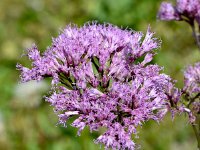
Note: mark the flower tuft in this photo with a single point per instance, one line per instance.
(192, 79)
(187, 10)
(168, 12)
(102, 75)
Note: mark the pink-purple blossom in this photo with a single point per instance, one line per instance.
(188, 10)
(168, 12)
(191, 90)
(102, 75)
(192, 79)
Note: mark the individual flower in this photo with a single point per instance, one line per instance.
(192, 79)
(168, 12)
(192, 90)
(102, 75)
(188, 10)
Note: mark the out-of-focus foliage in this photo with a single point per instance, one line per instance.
(27, 122)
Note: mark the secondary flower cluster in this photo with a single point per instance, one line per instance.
(192, 79)
(192, 88)
(188, 10)
(100, 73)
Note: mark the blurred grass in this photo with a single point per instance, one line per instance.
(27, 122)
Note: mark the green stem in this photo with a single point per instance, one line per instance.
(196, 134)
(196, 125)
(196, 37)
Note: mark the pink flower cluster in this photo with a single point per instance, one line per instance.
(188, 10)
(102, 75)
(192, 89)
(192, 79)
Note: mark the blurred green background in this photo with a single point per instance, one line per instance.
(27, 122)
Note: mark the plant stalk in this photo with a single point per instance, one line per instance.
(196, 131)
(195, 35)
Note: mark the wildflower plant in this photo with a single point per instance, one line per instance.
(189, 12)
(102, 75)
(184, 10)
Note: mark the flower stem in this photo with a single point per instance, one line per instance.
(196, 124)
(195, 35)
(197, 134)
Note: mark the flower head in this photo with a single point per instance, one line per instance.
(192, 79)
(192, 90)
(188, 10)
(168, 12)
(100, 73)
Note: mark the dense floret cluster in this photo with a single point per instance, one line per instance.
(102, 75)
(192, 89)
(192, 79)
(188, 10)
